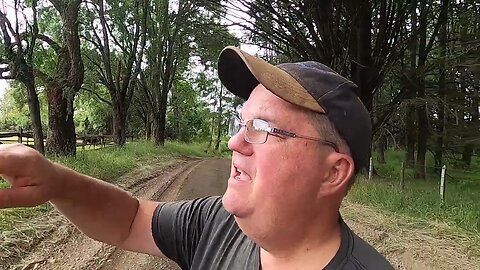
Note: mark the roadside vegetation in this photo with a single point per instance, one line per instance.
(419, 202)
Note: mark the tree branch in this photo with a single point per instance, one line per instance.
(97, 95)
(100, 69)
(58, 4)
(96, 44)
(57, 48)
(115, 40)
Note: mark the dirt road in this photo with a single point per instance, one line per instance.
(406, 246)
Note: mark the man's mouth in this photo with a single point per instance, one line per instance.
(240, 175)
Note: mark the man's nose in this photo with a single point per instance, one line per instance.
(237, 143)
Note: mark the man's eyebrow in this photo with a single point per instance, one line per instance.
(261, 114)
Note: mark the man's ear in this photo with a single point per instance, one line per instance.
(340, 170)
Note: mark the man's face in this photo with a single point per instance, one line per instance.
(278, 180)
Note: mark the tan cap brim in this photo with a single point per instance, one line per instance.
(236, 68)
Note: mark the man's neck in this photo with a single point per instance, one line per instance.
(312, 251)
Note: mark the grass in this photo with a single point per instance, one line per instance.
(420, 198)
(106, 164)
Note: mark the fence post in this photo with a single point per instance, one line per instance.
(370, 169)
(402, 176)
(442, 185)
(20, 135)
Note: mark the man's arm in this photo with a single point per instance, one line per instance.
(100, 210)
(140, 237)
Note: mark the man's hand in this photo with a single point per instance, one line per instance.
(33, 178)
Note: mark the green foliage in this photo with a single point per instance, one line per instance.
(91, 115)
(210, 39)
(14, 113)
(421, 198)
(193, 116)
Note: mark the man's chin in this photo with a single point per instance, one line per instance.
(235, 206)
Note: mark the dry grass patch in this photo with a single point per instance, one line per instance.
(414, 243)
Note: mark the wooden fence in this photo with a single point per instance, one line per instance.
(26, 137)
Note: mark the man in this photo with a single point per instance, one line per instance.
(302, 136)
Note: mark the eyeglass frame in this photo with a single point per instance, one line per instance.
(278, 133)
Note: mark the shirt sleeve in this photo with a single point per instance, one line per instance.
(178, 226)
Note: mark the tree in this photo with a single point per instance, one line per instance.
(125, 26)
(17, 59)
(176, 34)
(64, 81)
(359, 39)
(442, 86)
(425, 46)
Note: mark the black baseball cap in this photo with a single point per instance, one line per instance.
(310, 85)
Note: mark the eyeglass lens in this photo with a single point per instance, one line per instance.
(255, 129)
(234, 126)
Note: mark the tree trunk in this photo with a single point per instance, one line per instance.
(441, 94)
(65, 83)
(410, 125)
(381, 149)
(176, 115)
(472, 124)
(61, 139)
(421, 109)
(160, 119)
(362, 59)
(34, 108)
(467, 154)
(212, 131)
(422, 138)
(219, 125)
(364, 52)
(148, 126)
(122, 84)
(119, 116)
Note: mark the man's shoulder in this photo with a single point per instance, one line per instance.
(364, 256)
(368, 256)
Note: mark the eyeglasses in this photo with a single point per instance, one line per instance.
(257, 131)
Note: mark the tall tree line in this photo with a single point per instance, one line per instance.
(413, 60)
(134, 50)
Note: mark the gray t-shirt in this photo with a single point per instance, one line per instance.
(201, 234)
